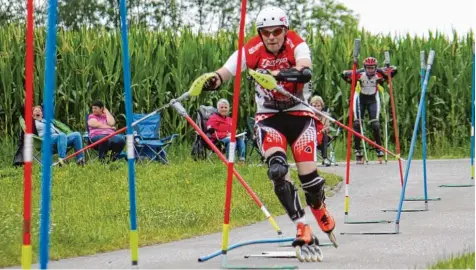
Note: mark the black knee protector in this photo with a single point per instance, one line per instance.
(375, 124)
(313, 186)
(277, 166)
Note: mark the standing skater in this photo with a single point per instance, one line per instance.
(366, 97)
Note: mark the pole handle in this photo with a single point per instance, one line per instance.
(356, 47)
(431, 57)
(422, 59)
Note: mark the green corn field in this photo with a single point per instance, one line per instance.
(164, 64)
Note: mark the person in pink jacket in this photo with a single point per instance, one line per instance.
(220, 126)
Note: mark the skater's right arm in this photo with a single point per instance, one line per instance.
(347, 75)
(227, 71)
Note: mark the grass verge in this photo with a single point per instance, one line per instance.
(464, 261)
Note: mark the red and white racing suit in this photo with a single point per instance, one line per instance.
(279, 119)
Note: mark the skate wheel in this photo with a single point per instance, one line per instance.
(303, 255)
(317, 255)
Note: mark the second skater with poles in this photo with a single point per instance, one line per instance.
(370, 80)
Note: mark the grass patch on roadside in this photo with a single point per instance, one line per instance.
(463, 261)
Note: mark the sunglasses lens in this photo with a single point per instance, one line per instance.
(275, 32)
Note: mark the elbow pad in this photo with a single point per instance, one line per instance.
(293, 75)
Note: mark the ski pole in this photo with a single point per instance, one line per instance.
(359, 116)
(269, 82)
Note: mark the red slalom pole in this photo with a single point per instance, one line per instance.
(222, 157)
(394, 115)
(96, 143)
(349, 136)
(26, 254)
(232, 144)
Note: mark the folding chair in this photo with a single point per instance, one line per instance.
(147, 141)
(251, 139)
(333, 135)
(37, 140)
(200, 149)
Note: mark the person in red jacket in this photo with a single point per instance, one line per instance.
(220, 126)
(281, 121)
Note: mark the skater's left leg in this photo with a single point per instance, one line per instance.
(303, 149)
(374, 112)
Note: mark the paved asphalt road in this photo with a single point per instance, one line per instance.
(425, 237)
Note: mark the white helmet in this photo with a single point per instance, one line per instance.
(272, 16)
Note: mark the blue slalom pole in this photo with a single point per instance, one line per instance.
(472, 121)
(431, 56)
(46, 147)
(133, 236)
(423, 127)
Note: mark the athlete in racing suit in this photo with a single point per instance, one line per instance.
(366, 97)
(281, 121)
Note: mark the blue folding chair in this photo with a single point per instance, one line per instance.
(147, 141)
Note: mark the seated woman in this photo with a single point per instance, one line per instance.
(322, 128)
(59, 138)
(100, 124)
(220, 123)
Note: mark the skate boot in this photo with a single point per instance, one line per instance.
(326, 222)
(326, 162)
(359, 157)
(380, 155)
(306, 244)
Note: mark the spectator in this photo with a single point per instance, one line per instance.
(59, 138)
(220, 125)
(100, 124)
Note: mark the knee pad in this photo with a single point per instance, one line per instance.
(356, 125)
(375, 124)
(313, 186)
(277, 167)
